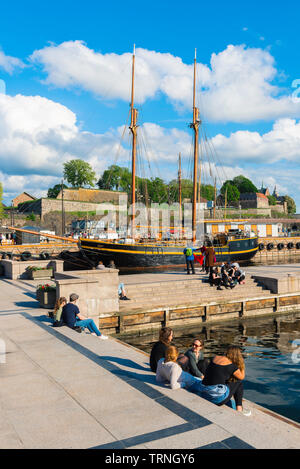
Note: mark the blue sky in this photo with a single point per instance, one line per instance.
(66, 66)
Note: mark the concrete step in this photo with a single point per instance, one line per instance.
(163, 285)
(200, 291)
(180, 300)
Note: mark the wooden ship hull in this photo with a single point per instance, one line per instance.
(160, 254)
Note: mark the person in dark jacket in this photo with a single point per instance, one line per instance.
(209, 257)
(215, 278)
(159, 348)
(197, 363)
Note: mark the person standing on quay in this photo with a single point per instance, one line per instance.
(189, 258)
(209, 257)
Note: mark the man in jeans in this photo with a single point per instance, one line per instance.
(72, 318)
(189, 258)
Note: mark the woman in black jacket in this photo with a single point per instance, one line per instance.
(159, 348)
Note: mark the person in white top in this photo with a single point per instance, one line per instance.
(168, 371)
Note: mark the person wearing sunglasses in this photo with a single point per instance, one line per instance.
(197, 362)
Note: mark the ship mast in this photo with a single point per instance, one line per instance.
(195, 127)
(133, 129)
(180, 194)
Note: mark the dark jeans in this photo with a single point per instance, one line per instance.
(188, 265)
(226, 281)
(236, 390)
(215, 281)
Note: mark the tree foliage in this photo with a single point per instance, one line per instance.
(233, 194)
(291, 205)
(55, 190)
(244, 185)
(115, 178)
(152, 189)
(272, 200)
(79, 173)
(1, 205)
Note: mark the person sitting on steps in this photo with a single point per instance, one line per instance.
(57, 313)
(226, 278)
(226, 372)
(197, 363)
(122, 292)
(159, 348)
(72, 318)
(168, 371)
(239, 276)
(215, 278)
(100, 266)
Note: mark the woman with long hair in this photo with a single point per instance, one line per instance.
(59, 304)
(228, 372)
(168, 371)
(159, 348)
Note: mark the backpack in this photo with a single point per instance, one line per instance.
(188, 252)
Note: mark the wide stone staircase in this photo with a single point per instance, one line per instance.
(195, 289)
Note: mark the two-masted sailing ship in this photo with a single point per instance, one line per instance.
(154, 253)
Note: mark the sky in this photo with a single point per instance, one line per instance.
(65, 72)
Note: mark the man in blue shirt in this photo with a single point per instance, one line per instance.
(189, 258)
(72, 318)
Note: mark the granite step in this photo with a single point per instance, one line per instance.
(196, 291)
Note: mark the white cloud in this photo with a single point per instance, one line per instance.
(281, 143)
(237, 86)
(8, 63)
(38, 135)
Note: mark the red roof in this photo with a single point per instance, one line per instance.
(262, 196)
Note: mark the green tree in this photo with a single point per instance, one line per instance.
(207, 191)
(55, 190)
(115, 178)
(1, 205)
(291, 206)
(272, 200)
(244, 185)
(233, 194)
(79, 173)
(31, 217)
(186, 189)
(158, 190)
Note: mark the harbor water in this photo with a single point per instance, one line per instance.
(271, 349)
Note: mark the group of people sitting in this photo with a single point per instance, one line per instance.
(68, 314)
(219, 380)
(228, 276)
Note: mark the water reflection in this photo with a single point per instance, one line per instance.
(272, 376)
